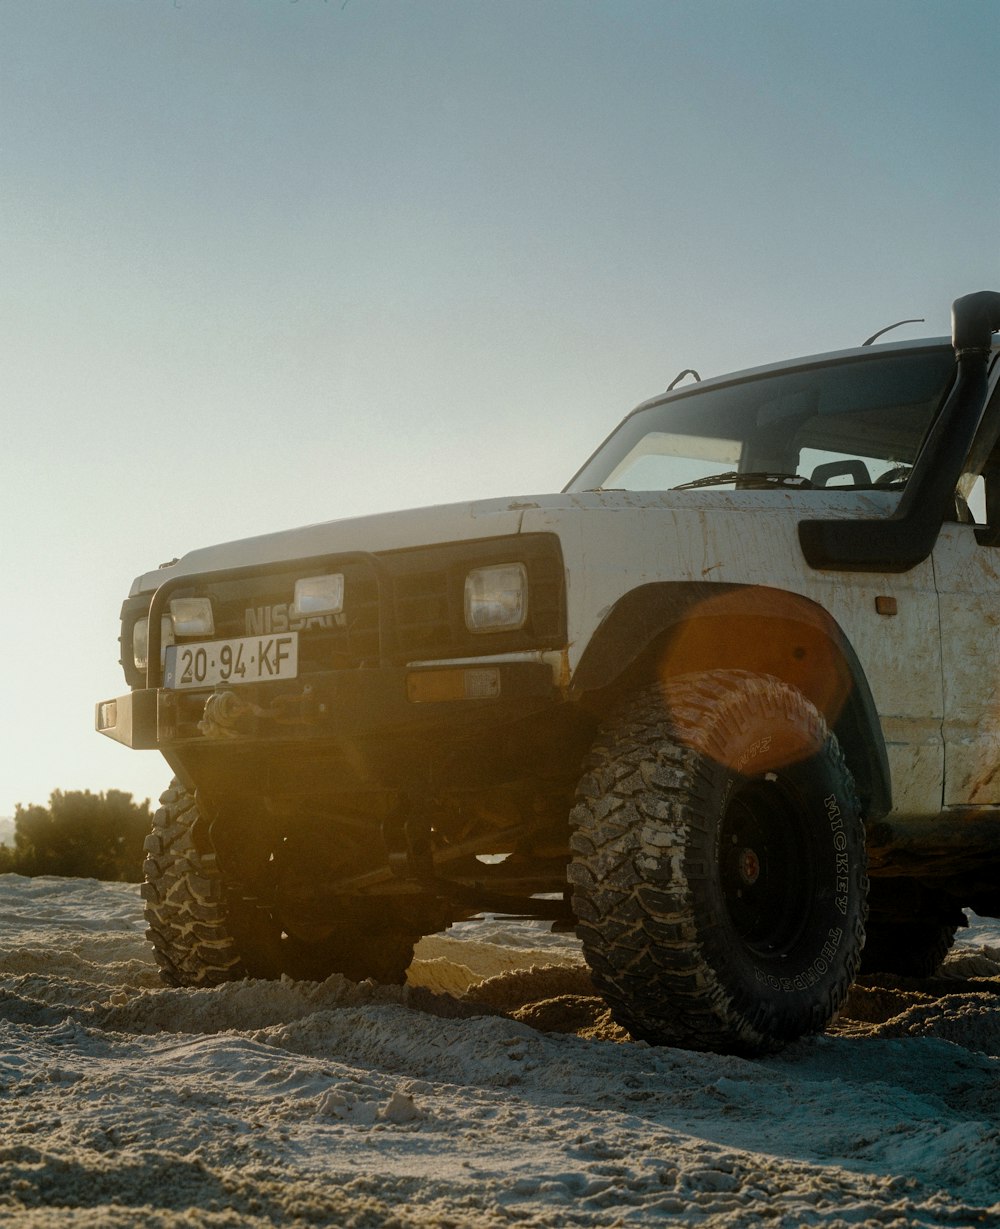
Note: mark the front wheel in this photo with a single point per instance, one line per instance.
(203, 934)
(718, 865)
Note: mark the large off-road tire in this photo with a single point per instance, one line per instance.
(719, 866)
(204, 934)
(186, 915)
(910, 929)
(910, 949)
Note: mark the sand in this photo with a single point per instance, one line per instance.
(493, 1090)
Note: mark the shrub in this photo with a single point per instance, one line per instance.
(80, 835)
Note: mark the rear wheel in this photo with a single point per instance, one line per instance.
(718, 865)
(204, 933)
(910, 929)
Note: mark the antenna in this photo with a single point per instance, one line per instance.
(688, 371)
(889, 327)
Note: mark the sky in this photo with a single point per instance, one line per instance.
(273, 263)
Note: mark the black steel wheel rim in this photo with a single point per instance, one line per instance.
(766, 876)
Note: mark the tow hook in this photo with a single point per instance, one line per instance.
(225, 712)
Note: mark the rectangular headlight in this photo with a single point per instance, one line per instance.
(140, 641)
(319, 595)
(496, 598)
(192, 616)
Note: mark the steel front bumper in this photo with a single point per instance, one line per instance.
(336, 705)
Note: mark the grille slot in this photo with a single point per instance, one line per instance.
(423, 607)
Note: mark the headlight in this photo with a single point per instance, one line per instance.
(140, 641)
(496, 598)
(192, 616)
(319, 595)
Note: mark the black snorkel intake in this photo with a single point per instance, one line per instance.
(901, 541)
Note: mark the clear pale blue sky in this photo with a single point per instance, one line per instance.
(273, 263)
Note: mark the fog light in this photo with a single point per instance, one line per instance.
(496, 598)
(140, 641)
(319, 595)
(192, 616)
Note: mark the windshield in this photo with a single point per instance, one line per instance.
(853, 423)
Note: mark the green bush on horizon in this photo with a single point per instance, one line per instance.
(80, 835)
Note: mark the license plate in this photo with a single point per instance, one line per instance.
(247, 659)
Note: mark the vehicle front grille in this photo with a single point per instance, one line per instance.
(399, 606)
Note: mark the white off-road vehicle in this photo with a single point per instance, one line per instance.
(727, 701)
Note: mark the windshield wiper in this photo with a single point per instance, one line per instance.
(759, 480)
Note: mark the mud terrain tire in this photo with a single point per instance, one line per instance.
(909, 949)
(910, 929)
(186, 915)
(202, 935)
(718, 865)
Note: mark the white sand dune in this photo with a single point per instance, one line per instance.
(494, 1090)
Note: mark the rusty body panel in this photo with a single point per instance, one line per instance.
(748, 539)
(968, 578)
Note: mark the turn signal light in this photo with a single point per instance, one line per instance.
(435, 686)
